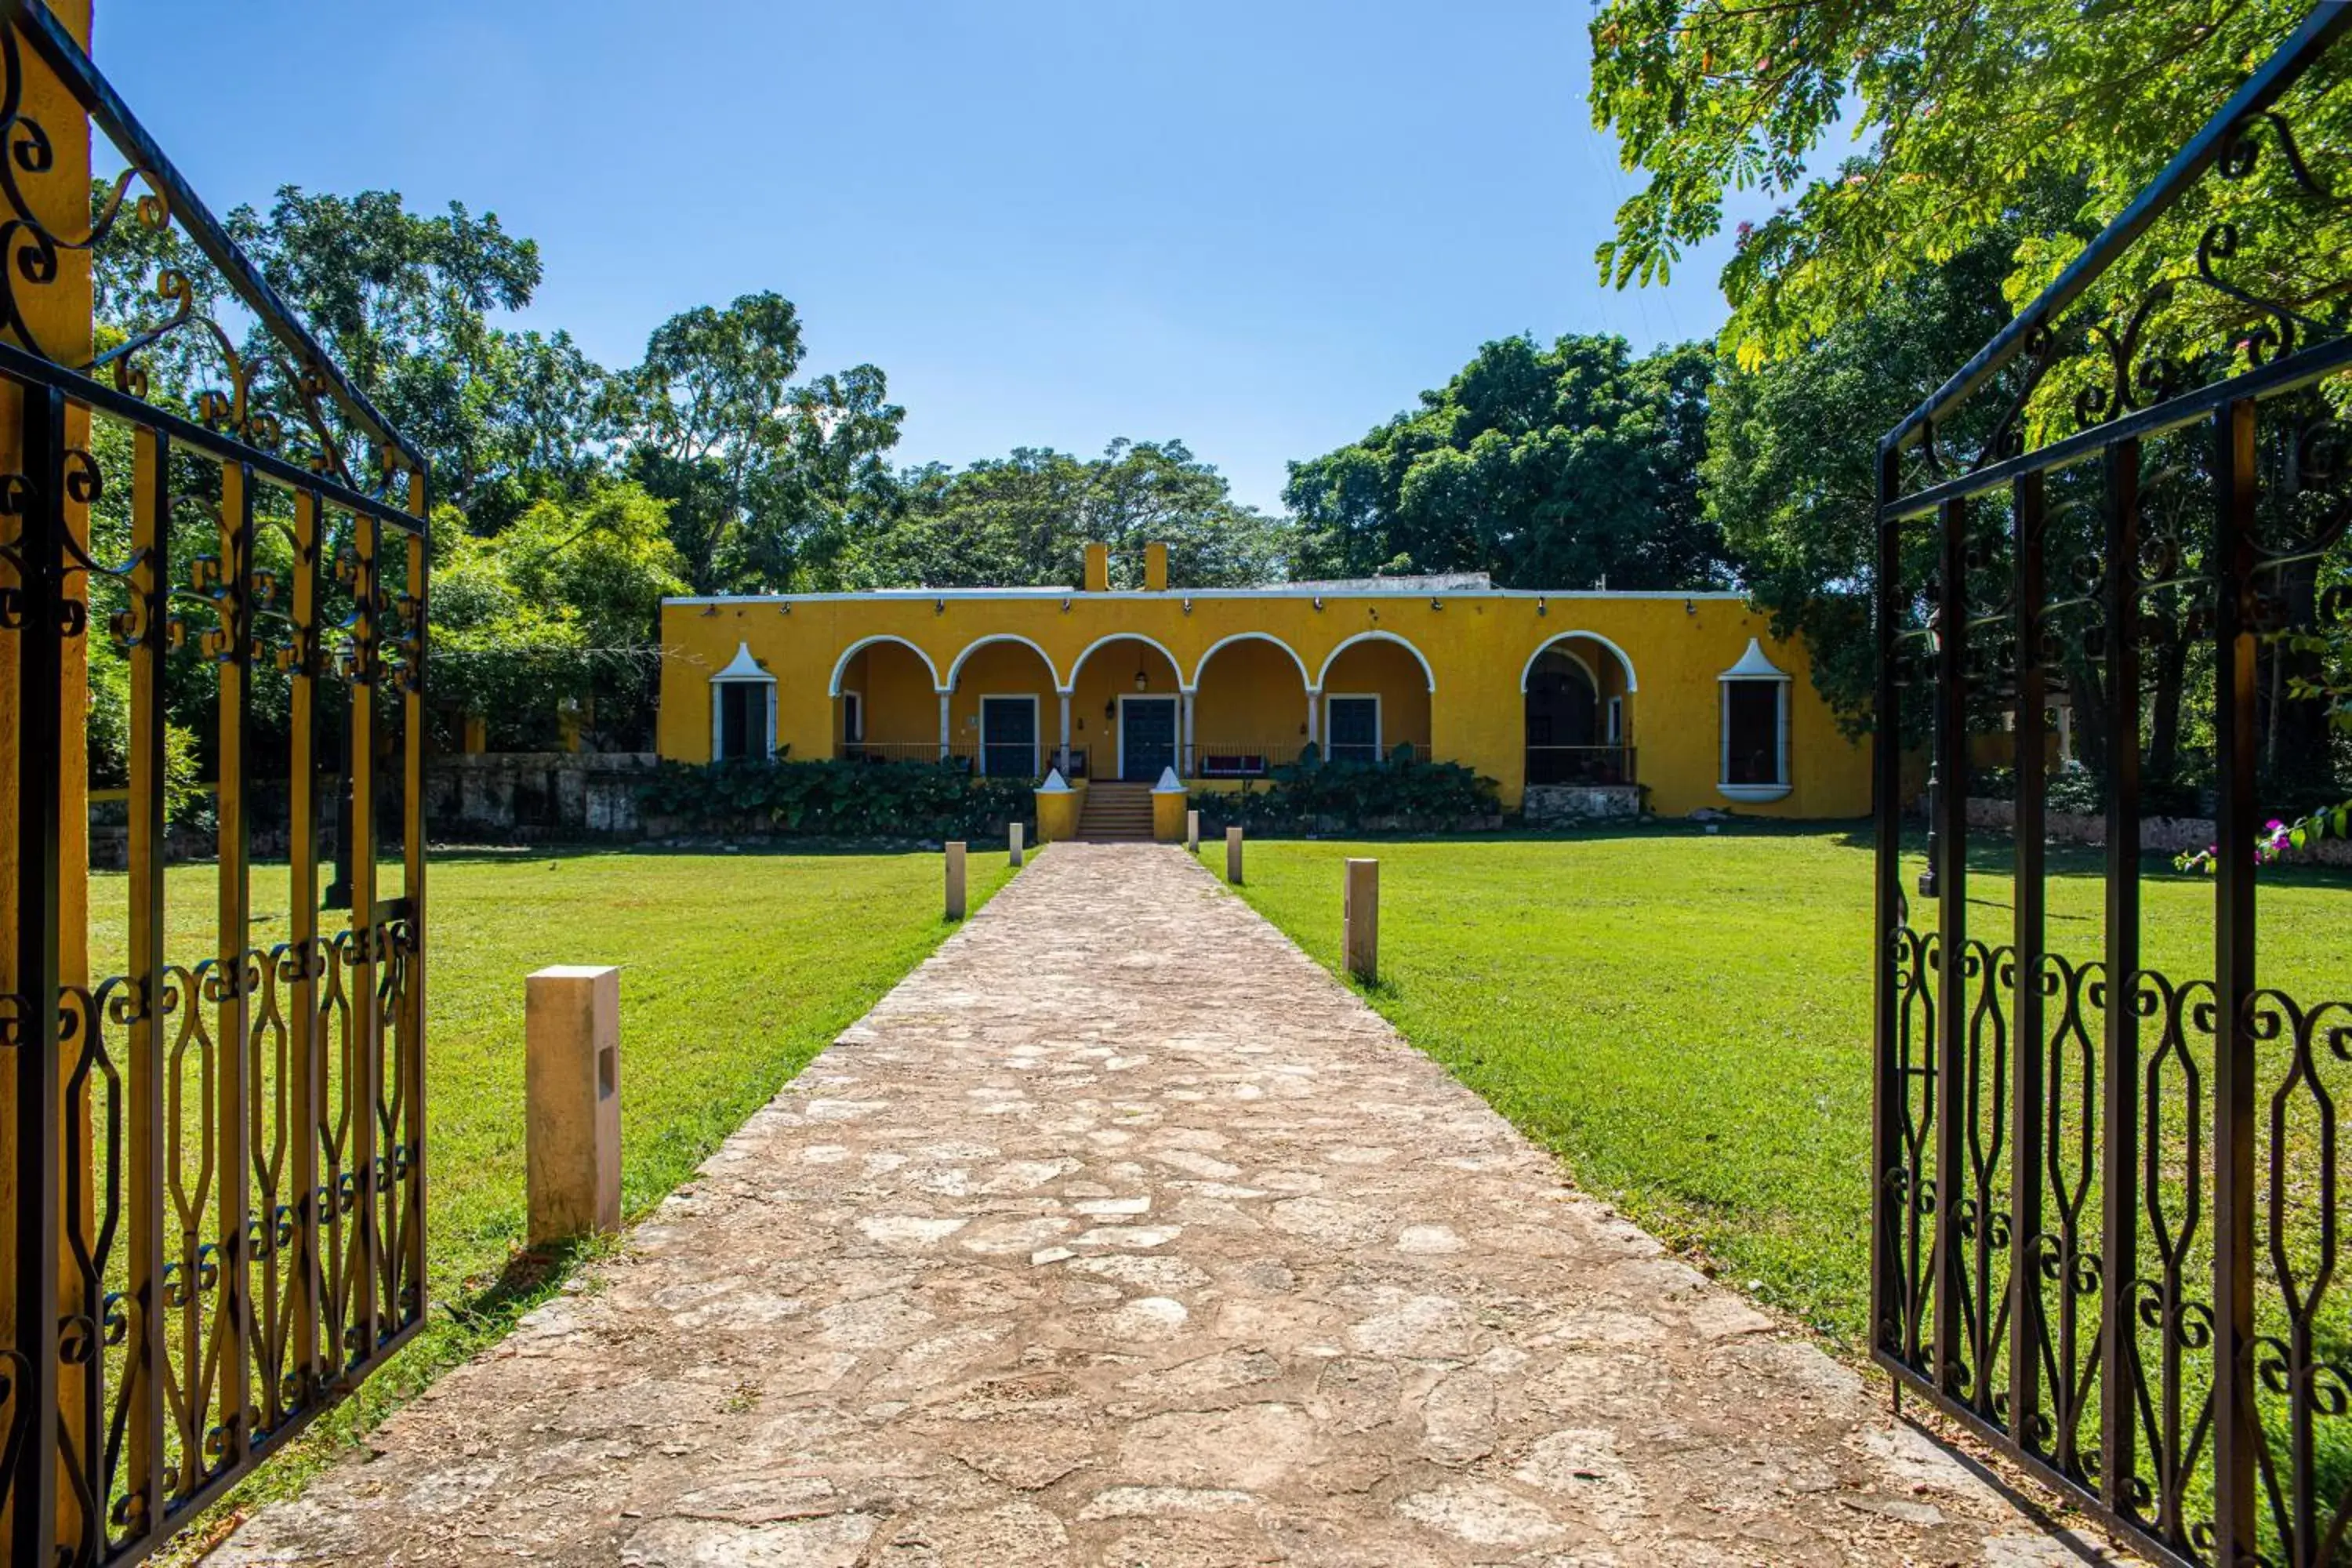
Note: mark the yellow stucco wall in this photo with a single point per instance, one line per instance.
(1476, 646)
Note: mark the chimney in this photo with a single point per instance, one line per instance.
(1098, 568)
(1155, 568)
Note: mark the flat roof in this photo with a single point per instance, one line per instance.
(1274, 591)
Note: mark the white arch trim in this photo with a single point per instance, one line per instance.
(1202, 669)
(1080, 662)
(840, 665)
(1323, 678)
(1624, 663)
(957, 667)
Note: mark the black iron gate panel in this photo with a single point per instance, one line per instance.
(2105, 1218)
(215, 1136)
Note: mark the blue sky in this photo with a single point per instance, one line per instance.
(1262, 228)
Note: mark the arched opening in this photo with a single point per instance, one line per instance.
(1249, 710)
(1577, 691)
(1003, 707)
(1126, 703)
(1375, 700)
(885, 706)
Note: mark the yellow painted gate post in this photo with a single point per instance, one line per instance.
(1233, 856)
(955, 881)
(1360, 917)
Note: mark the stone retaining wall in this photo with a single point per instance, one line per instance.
(1547, 804)
(2162, 835)
(522, 795)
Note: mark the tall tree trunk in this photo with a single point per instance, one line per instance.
(2170, 668)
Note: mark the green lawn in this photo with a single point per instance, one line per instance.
(738, 969)
(1684, 1017)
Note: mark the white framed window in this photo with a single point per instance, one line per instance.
(1351, 727)
(1754, 751)
(742, 709)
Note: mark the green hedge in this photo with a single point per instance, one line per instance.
(1311, 794)
(834, 799)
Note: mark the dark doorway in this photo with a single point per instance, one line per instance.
(1147, 738)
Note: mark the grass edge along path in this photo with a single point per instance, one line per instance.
(1683, 1018)
(773, 952)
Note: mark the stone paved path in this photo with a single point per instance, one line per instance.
(1120, 1234)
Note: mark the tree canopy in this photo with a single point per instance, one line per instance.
(1569, 466)
(1960, 113)
(1026, 520)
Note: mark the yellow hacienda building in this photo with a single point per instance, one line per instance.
(1579, 701)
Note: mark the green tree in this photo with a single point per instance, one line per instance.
(1026, 520)
(401, 301)
(1791, 474)
(560, 609)
(1566, 467)
(758, 472)
(1962, 113)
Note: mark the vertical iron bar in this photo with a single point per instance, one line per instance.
(306, 1286)
(2236, 1435)
(40, 696)
(413, 851)
(1952, 1375)
(2119, 1161)
(233, 1346)
(361, 1085)
(144, 1366)
(1886, 1313)
(2026, 1089)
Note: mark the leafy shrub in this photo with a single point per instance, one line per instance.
(834, 799)
(1349, 794)
(2076, 789)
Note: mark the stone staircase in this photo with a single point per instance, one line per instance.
(1116, 811)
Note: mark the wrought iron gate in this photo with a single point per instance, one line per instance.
(214, 1123)
(2105, 1220)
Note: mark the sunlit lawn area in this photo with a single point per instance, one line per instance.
(737, 969)
(1684, 1018)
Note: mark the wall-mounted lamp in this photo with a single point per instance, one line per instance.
(1543, 606)
(1110, 709)
(783, 609)
(1302, 729)
(1318, 601)
(1065, 607)
(938, 606)
(1435, 602)
(1690, 608)
(709, 610)
(1188, 607)
(1142, 681)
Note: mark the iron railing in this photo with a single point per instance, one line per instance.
(2106, 1211)
(889, 751)
(1580, 765)
(217, 1225)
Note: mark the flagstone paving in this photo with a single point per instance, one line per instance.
(1119, 1233)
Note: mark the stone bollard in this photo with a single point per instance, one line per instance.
(1192, 833)
(572, 1097)
(1359, 918)
(1018, 831)
(1233, 856)
(955, 881)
